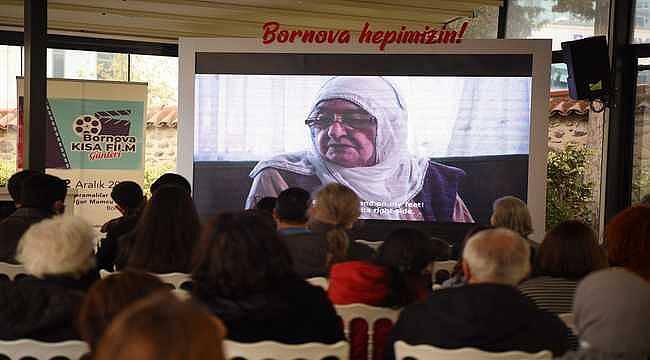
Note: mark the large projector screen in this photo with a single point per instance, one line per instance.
(419, 137)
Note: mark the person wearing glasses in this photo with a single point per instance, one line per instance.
(358, 128)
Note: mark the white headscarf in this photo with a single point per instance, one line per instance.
(396, 176)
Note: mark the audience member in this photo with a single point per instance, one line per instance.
(511, 213)
(628, 240)
(394, 278)
(266, 204)
(57, 254)
(245, 277)
(457, 278)
(129, 201)
(335, 212)
(15, 185)
(162, 327)
(611, 317)
(171, 179)
(489, 313)
(42, 197)
(166, 234)
(108, 297)
(307, 249)
(568, 253)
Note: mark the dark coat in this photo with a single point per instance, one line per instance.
(489, 317)
(109, 248)
(308, 251)
(292, 312)
(14, 226)
(42, 309)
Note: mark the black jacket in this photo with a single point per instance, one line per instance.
(109, 248)
(489, 317)
(292, 312)
(42, 309)
(14, 226)
(308, 251)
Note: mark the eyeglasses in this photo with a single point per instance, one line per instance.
(349, 120)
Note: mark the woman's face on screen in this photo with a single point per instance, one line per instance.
(345, 133)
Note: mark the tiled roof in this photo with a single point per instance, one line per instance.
(560, 104)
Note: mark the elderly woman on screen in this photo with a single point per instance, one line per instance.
(358, 132)
(57, 254)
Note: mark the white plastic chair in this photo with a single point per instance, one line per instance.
(371, 314)
(12, 270)
(428, 352)
(374, 245)
(18, 349)
(175, 279)
(319, 281)
(274, 350)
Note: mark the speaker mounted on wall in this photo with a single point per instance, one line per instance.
(588, 66)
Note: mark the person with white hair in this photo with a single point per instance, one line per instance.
(489, 313)
(358, 132)
(58, 257)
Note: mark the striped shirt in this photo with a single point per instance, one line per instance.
(553, 294)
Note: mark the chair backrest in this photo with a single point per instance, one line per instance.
(374, 245)
(274, 350)
(370, 314)
(18, 349)
(319, 281)
(12, 270)
(428, 352)
(175, 279)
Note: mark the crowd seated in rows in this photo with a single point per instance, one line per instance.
(489, 313)
(163, 327)
(245, 277)
(568, 253)
(41, 197)
(57, 254)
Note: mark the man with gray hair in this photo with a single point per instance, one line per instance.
(489, 313)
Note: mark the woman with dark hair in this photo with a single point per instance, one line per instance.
(568, 253)
(244, 275)
(165, 236)
(108, 297)
(394, 278)
(161, 327)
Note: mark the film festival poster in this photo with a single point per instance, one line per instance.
(95, 139)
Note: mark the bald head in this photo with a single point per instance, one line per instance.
(496, 256)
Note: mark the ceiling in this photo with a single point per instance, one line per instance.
(167, 20)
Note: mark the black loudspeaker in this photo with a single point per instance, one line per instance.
(587, 61)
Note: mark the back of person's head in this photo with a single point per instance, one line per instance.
(570, 250)
(161, 327)
(239, 254)
(408, 250)
(497, 256)
(267, 204)
(109, 296)
(171, 179)
(167, 233)
(512, 213)
(628, 240)
(338, 206)
(16, 182)
(611, 314)
(127, 195)
(292, 205)
(44, 192)
(62, 245)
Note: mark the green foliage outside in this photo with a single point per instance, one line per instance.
(7, 168)
(151, 173)
(640, 184)
(567, 194)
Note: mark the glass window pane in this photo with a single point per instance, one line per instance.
(641, 165)
(642, 22)
(483, 25)
(559, 75)
(88, 65)
(560, 20)
(10, 67)
(161, 74)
